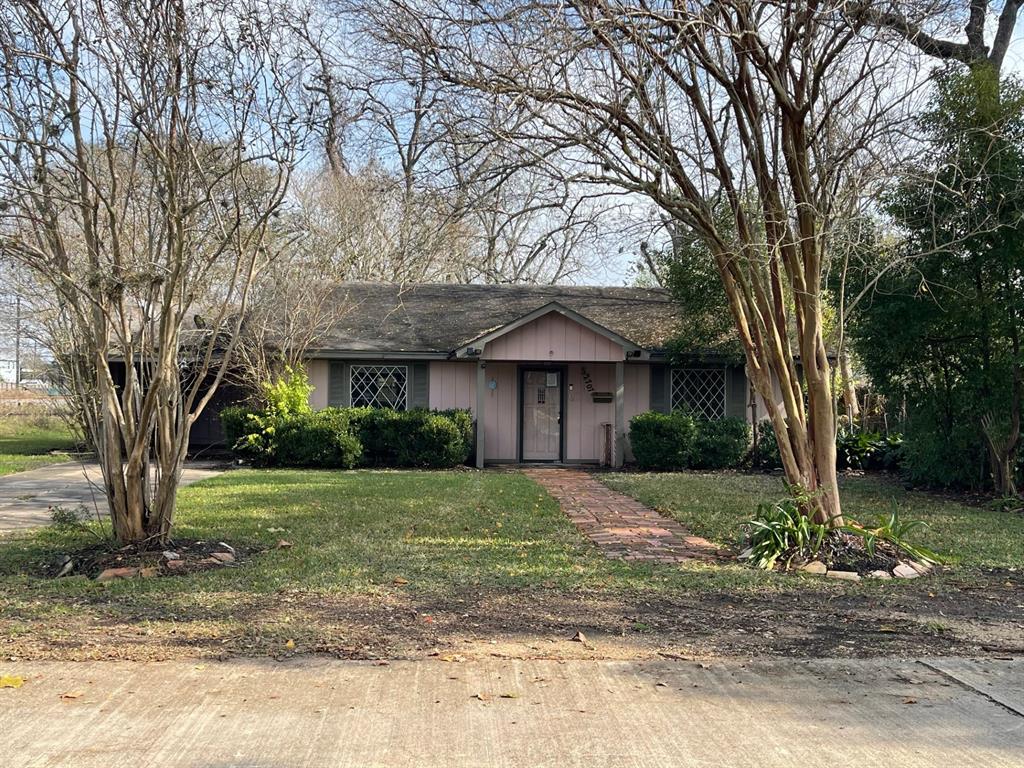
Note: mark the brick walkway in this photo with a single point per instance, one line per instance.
(620, 525)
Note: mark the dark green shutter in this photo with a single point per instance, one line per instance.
(337, 384)
(735, 392)
(659, 388)
(419, 391)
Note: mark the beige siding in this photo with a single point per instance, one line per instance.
(637, 397)
(762, 409)
(584, 438)
(553, 338)
(317, 371)
(452, 385)
(501, 413)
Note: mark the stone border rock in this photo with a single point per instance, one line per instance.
(170, 563)
(903, 570)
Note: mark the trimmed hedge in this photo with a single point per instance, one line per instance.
(318, 439)
(416, 438)
(678, 441)
(721, 443)
(663, 440)
(348, 437)
(768, 456)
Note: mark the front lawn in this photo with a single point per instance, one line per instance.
(715, 505)
(360, 531)
(406, 563)
(27, 442)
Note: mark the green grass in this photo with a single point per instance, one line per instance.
(371, 551)
(716, 505)
(358, 531)
(27, 442)
(362, 538)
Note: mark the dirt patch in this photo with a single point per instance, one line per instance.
(982, 617)
(181, 557)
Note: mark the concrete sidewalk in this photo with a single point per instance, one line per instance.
(263, 714)
(26, 497)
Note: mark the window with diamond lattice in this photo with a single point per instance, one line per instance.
(379, 386)
(700, 391)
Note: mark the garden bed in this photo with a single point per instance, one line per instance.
(105, 561)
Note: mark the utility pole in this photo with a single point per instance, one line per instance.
(17, 341)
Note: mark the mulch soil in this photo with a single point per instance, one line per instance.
(195, 555)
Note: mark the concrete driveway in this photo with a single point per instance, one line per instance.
(26, 497)
(299, 713)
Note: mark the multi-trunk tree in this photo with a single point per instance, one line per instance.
(767, 111)
(145, 157)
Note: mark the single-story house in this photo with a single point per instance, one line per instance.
(551, 373)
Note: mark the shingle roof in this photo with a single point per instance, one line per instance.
(387, 317)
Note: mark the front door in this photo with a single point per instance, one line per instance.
(542, 415)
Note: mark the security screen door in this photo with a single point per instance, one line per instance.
(542, 415)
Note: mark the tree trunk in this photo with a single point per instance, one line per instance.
(807, 446)
(850, 403)
(1002, 453)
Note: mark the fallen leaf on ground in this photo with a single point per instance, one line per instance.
(510, 695)
(400, 581)
(11, 681)
(71, 695)
(910, 701)
(483, 696)
(290, 645)
(282, 544)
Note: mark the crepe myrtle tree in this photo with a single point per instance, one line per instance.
(145, 152)
(769, 111)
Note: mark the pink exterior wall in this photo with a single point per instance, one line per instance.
(554, 338)
(762, 409)
(317, 371)
(501, 413)
(452, 385)
(637, 380)
(584, 438)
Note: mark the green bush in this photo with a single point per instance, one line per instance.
(347, 437)
(868, 450)
(767, 456)
(317, 439)
(417, 438)
(236, 423)
(289, 394)
(663, 441)
(956, 459)
(721, 443)
(780, 531)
